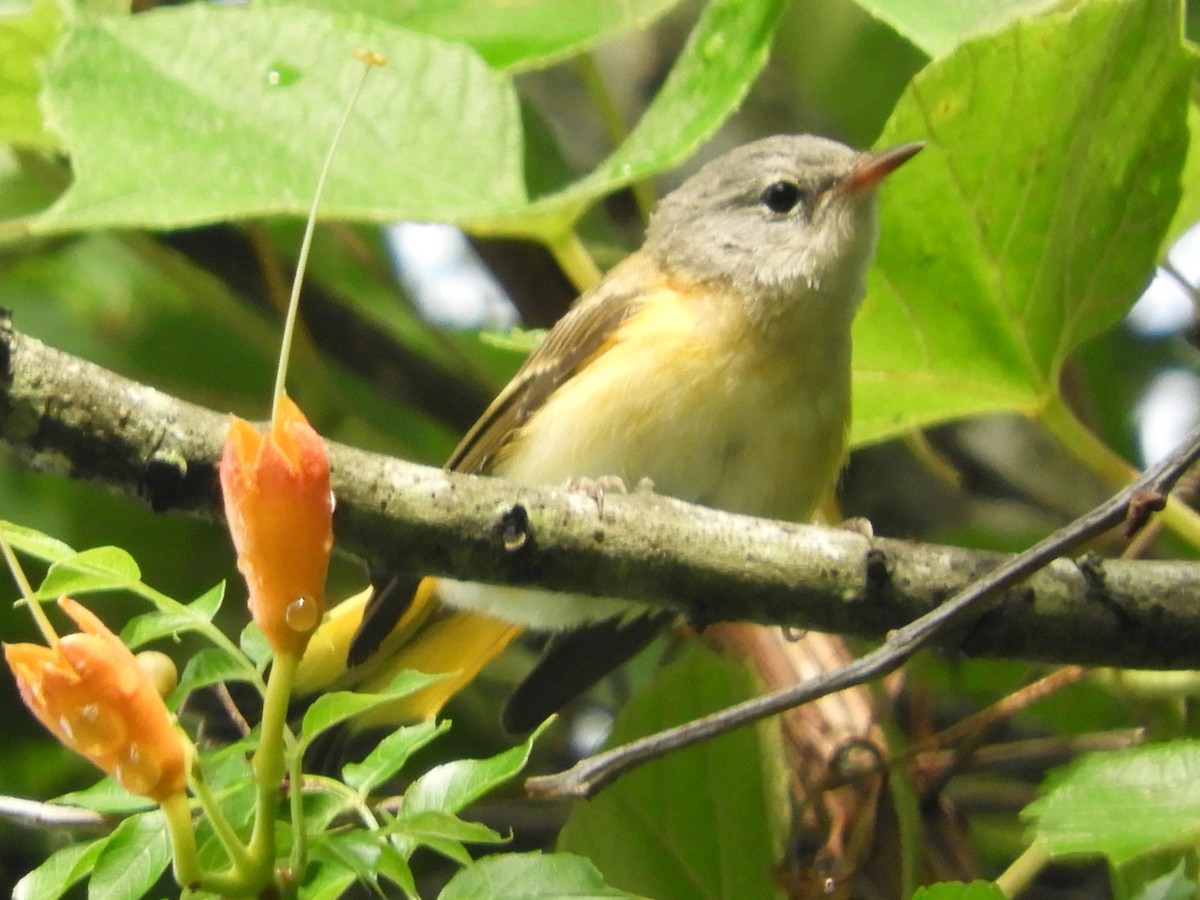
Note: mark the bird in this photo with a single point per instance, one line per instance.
(714, 362)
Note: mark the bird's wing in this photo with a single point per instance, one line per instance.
(579, 337)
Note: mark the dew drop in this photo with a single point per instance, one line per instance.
(280, 74)
(302, 614)
(714, 46)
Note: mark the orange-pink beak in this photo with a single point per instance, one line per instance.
(870, 168)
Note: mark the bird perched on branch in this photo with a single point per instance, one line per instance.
(713, 361)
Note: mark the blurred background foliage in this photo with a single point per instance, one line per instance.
(184, 294)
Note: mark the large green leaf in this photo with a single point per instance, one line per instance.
(204, 113)
(1124, 804)
(25, 39)
(532, 876)
(700, 823)
(724, 53)
(513, 35)
(1033, 217)
(132, 859)
(938, 27)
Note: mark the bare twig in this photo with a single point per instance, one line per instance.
(588, 776)
(35, 814)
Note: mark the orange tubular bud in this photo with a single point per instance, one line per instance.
(90, 692)
(280, 513)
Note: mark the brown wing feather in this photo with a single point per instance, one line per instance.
(566, 349)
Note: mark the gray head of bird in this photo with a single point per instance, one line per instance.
(778, 218)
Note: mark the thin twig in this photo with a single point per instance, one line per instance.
(589, 775)
(34, 814)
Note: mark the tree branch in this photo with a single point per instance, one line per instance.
(66, 415)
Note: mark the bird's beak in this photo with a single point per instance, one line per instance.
(870, 168)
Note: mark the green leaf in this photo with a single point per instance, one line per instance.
(513, 35)
(328, 882)
(1122, 804)
(949, 890)
(390, 755)
(35, 543)
(532, 876)
(366, 855)
(939, 27)
(209, 665)
(217, 113)
(442, 832)
(254, 644)
(657, 830)
(1031, 220)
(98, 569)
(150, 626)
(454, 785)
(25, 40)
(1187, 213)
(332, 709)
(106, 796)
(132, 859)
(64, 868)
(433, 823)
(725, 52)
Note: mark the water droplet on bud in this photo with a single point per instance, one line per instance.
(302, 614)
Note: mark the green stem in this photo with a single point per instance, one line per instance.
(289, 321)
(239, 856)
(613, 123)
(298, 860)
(574, 259)
(1023, 870)
(269, 760)
(184, 860)
(35, 608)
(1101, 459)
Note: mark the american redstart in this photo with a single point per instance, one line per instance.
(714, 361)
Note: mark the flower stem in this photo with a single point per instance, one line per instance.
(269, 760)
(289, 322)
(183, 840)
(242, 862)
(35, 608)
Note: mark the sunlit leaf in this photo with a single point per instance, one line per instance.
(390, 755)
(1122, 804)
(62, 869)
(97, 569)
(25, 39)
(218, 112)
(515, 35)
(332, 709)
(132, 859)
(1033, 217)
(725, 51)
(151, 626)
(939, 27)
(209, 665)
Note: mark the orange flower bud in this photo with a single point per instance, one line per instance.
(280, 514)
(92, 695)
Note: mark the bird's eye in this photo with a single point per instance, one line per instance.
(781, 196)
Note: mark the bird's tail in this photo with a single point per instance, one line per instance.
(430, 637)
